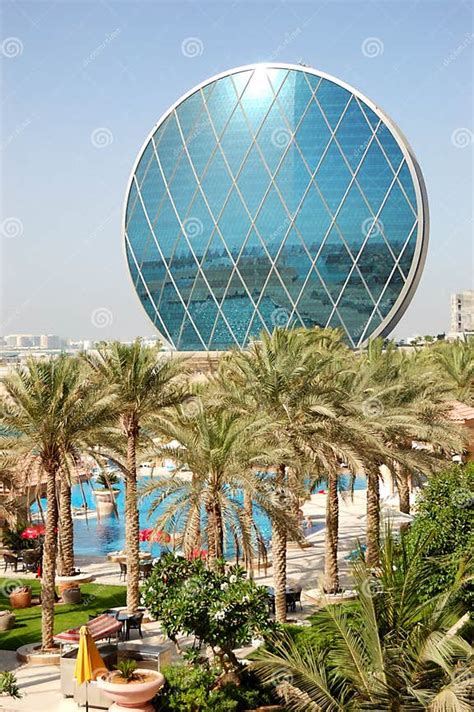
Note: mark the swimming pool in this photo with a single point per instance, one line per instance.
(99, 537)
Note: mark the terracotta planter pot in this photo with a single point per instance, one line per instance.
(133, 695)
(66, 587)
(71, 595)
(7, 620)
(20, 600)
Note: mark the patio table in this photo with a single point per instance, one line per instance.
(125, 617)
(290, 590)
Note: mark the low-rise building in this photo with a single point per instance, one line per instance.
(462, 311)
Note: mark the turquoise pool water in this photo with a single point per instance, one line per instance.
(94, 537)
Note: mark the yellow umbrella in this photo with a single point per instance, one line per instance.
(89, 664)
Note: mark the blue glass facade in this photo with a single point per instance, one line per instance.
(273, 196)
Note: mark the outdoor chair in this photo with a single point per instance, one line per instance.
(135, 623)
(296, 598)
(292, 598)
(145, 570)
(123, 570)
(31, 560)
(271, 604)
(10, 560)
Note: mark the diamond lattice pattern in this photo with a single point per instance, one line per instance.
(270, 197)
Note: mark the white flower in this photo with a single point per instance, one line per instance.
(394, 568)
(233, 578)
(224, 586)
(246, 599)
(142, 600)
(219, 616)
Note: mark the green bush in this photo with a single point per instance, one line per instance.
(13, 540)
(445, 514)
(221, 609)
(9, 685)
(194, 688)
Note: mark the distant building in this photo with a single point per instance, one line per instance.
(462, 311)
(28, 341)
(50, 341)
(22, 340)
(274, 195)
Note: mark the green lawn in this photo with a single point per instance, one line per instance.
(96, 599)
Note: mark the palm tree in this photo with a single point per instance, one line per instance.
(107, 480)
(273, 377)
(11, 489)
(296, 379)
(48, 413)
(341, 438)
(392, 652)
(455, 361)
(144, 382)
(402, 401)
(223, 450)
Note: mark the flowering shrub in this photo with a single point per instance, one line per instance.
(222, 609)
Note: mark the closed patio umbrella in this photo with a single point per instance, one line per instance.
(89, 664)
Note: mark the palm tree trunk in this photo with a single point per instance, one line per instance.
(192, 534)
(66, 529)
(279, 555)
(373, 518)
(294, 503)
(49, 562)
(211, 541)
(132, 525)
(215, 532)
(248, 514)
(331, 572)
(403, 484)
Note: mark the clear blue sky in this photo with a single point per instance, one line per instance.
(71, 68)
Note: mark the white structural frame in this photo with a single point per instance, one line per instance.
(408, 290)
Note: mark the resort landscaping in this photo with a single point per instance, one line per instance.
(366, 610)
(27, 628)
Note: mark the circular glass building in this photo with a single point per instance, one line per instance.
(274, 195)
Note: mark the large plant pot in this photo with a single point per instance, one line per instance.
(130, 696)
(20, 600)
(7, 620)
(105, 501)
(71, 595)
(65, 587)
